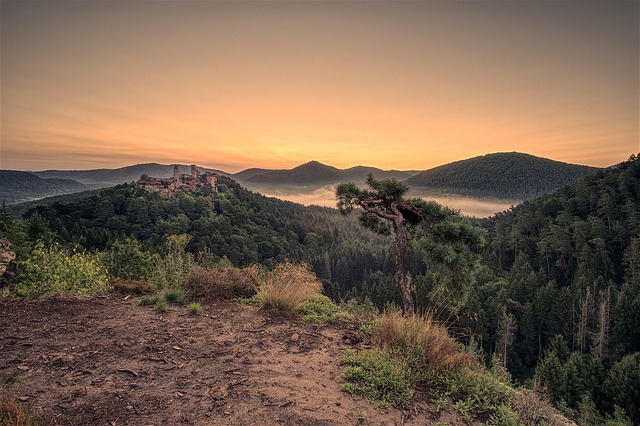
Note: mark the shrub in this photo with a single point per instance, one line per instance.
(374, 374)
(420, 342)
(52, 269)
(170, 270)
(131, 286)
(286, 286)
(126, 259)
(504, 416)
(223, 283)
(475, 391)
(365, 310)
(318, 309)
(533, 407)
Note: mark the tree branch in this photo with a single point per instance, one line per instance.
(376, 211)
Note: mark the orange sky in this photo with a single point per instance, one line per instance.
(391, 84)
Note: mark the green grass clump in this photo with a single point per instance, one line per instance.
(504, 416)
(10, 377)
(474, 391)
(161, 306)
(421, 343)
(318, 309)
(174, 296)
(194, 308)
(375, 375)
(148, 300)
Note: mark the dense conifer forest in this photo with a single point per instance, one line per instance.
(553, 293)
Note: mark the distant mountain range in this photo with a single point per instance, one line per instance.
(102, 178)
(17, 187)
(514, 176)
(315, 174)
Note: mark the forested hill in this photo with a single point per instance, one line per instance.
(16, 186)
(503, 175)
(565, 288)
(314, 173)
(236, 224)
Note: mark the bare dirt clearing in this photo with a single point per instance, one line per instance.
(111, 362)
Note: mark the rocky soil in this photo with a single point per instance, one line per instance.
(109, 361)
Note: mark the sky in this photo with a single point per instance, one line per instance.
(392, 84)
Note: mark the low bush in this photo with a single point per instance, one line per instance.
(52, 269)
(504, 416)
(364, 311)
(420, 342)
(318, 309)
(376, 375)
(533, 407)
(226, 283)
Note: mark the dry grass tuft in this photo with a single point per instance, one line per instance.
(421, 342)
(286, 286)
(534, 408)
(131, 286)
(13, 413)
(223, 283)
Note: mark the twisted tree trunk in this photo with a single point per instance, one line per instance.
(408, 307)
(398, 221)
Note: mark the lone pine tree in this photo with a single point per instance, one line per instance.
(384, 206)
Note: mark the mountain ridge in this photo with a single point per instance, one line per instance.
(506, 174)
(101, 178)
(515, 176)
(18, 186)
(318, 174)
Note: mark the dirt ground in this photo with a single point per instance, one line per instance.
(109, 361)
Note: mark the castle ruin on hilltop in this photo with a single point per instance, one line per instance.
(190, 182)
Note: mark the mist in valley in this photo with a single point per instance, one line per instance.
(325, 196)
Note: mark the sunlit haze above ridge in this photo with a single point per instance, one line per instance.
(273, 84)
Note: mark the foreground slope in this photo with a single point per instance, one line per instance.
(503, 175)
(110, 361)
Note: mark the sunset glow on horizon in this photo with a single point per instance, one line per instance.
(273, 84)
